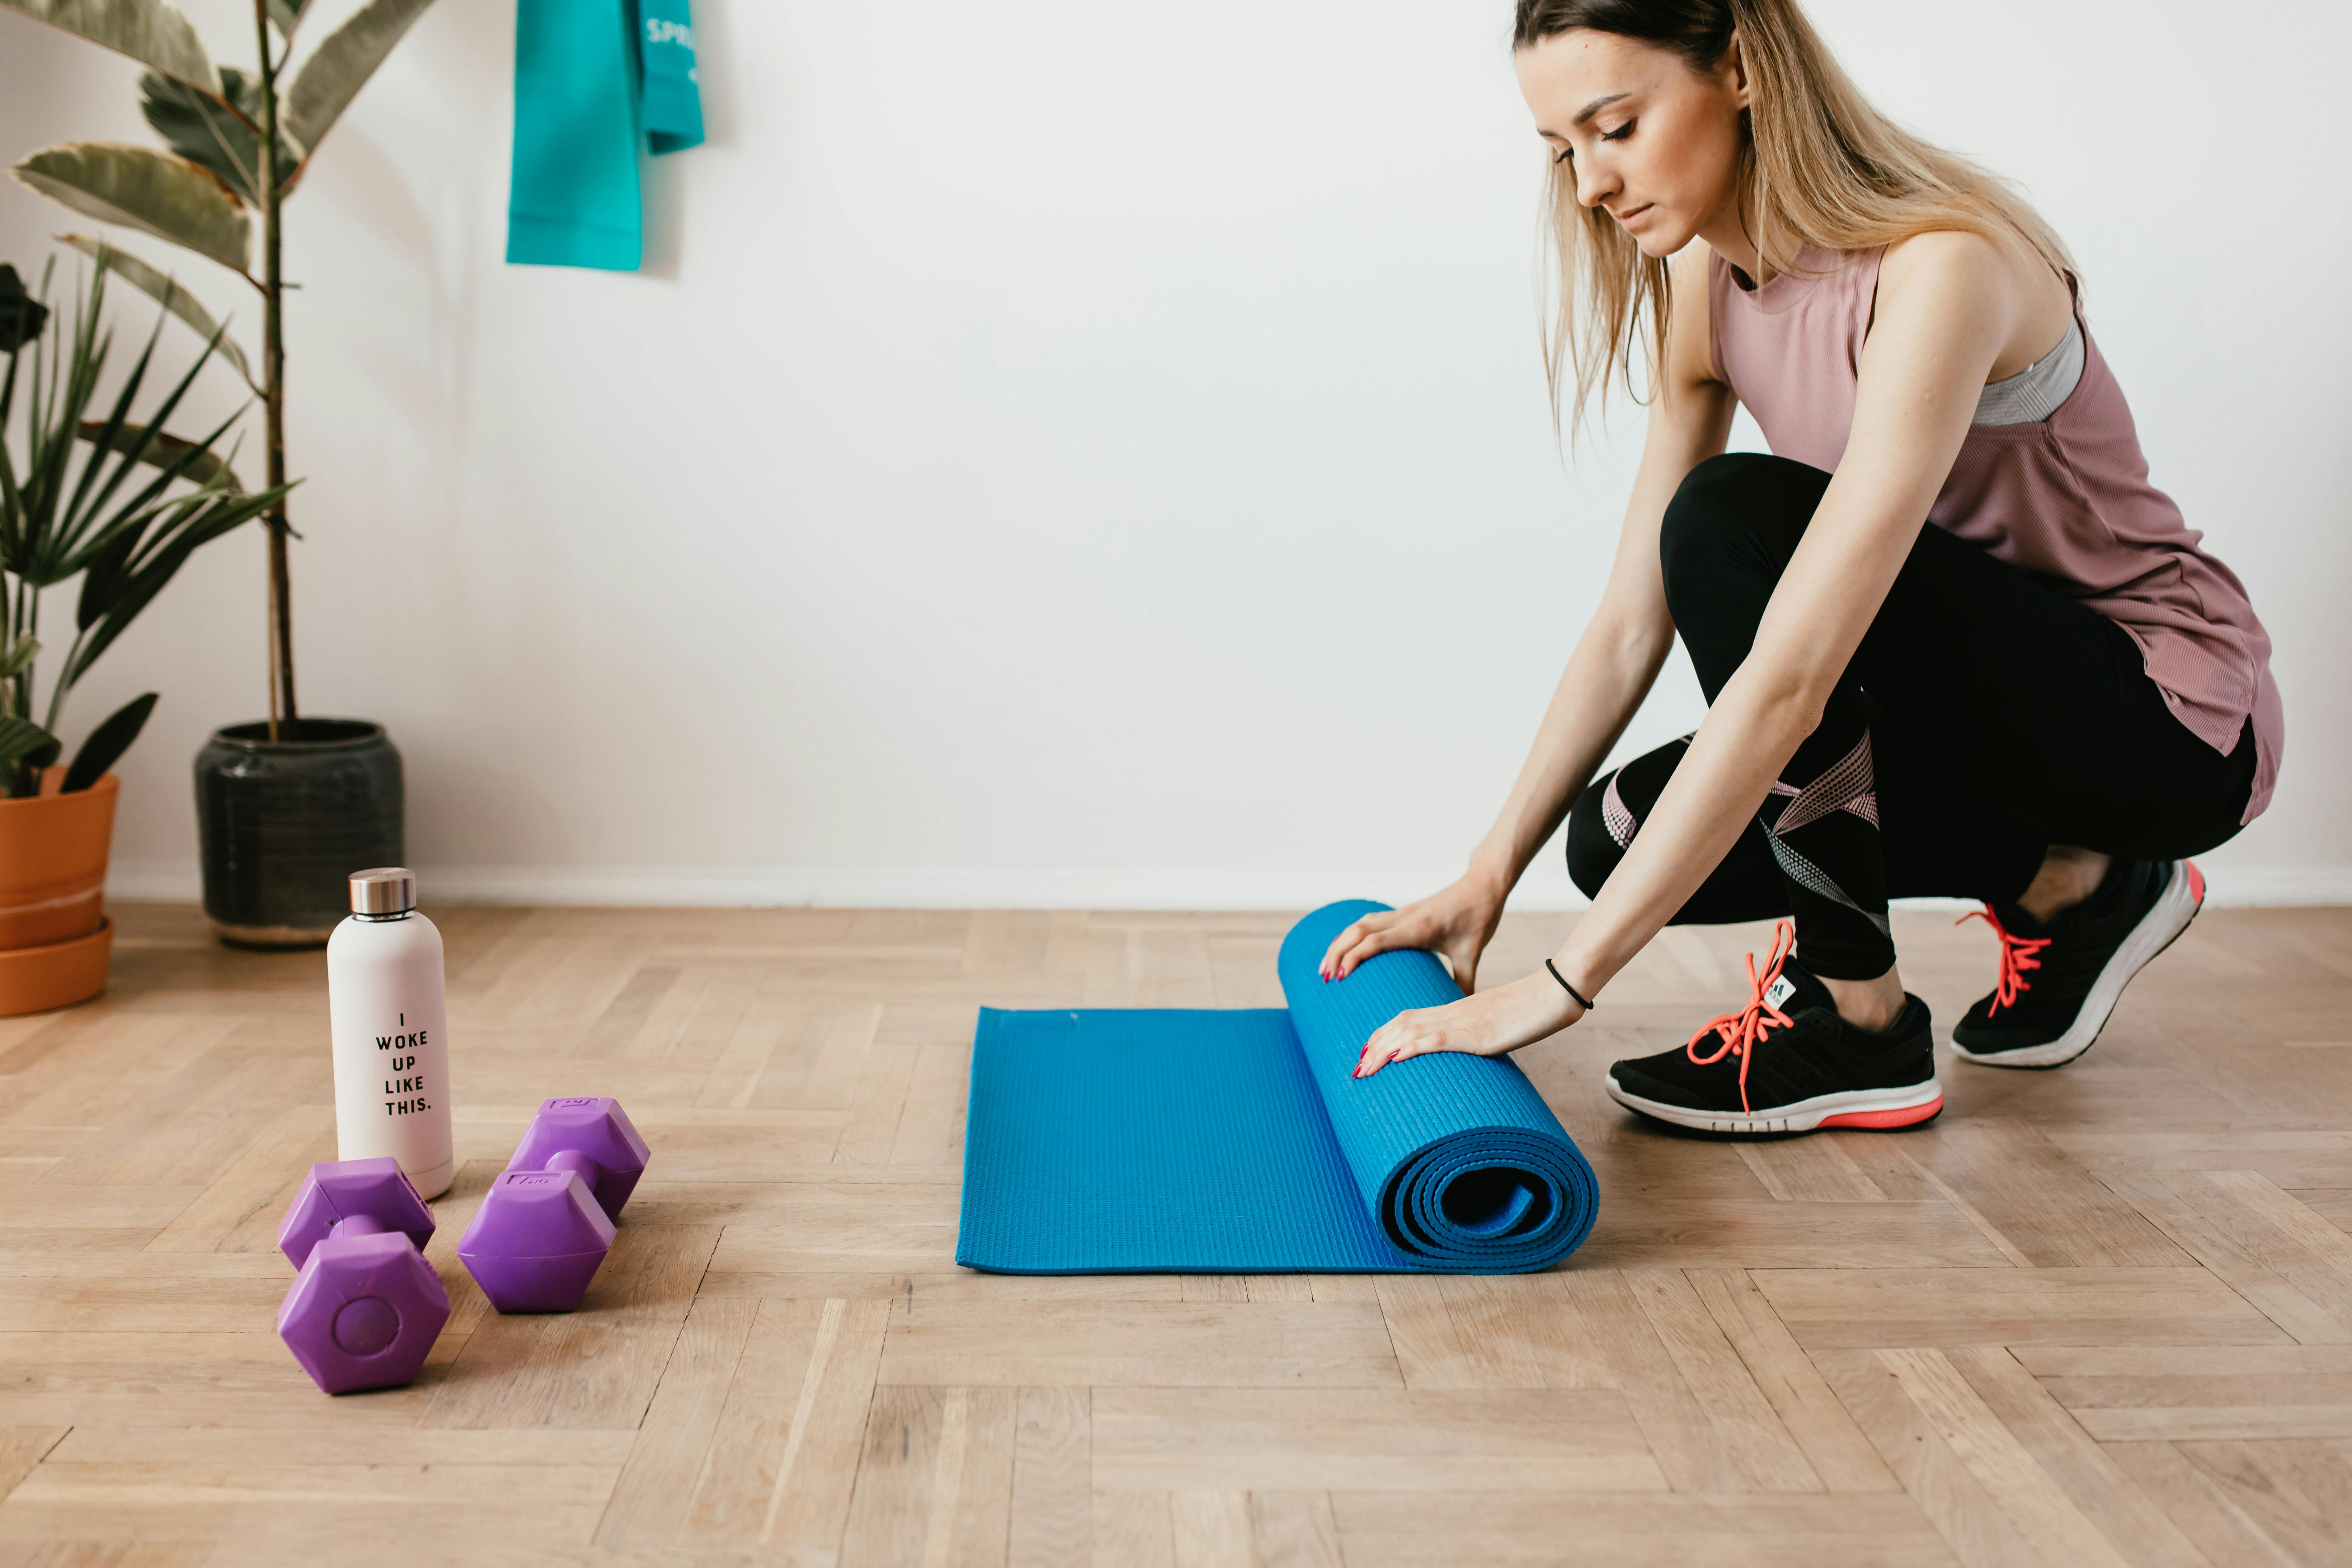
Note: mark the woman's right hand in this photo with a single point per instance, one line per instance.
(1454, 923)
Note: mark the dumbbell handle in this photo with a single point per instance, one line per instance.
(356, 1225)
(573, 1160)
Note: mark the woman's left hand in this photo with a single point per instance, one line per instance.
(1486, 1025)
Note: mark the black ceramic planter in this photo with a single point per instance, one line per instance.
(284, 823)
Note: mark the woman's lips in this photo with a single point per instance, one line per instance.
(1628, 220)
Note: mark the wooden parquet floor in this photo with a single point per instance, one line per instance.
(2097, 1316)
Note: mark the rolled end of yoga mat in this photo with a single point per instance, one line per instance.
(1108, 1140)
(1459, 1158)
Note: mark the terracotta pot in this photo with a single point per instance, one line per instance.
(36, 979)
(54, 934)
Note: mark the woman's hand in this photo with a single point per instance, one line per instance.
(1486, 1025)
(1455, 923)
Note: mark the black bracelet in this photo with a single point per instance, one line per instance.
(1564, 985)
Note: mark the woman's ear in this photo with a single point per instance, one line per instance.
(1734, 71)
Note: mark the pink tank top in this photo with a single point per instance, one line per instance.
(2067, 498)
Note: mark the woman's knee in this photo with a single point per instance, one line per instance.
(1735, 515)
(1594, 850)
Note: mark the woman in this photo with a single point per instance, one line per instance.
(1951, 639)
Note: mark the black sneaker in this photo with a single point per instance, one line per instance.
(2058, 982)
(1787, 1063)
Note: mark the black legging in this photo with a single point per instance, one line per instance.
(1985, 717)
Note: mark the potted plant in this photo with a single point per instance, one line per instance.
(121, 505)
(288, 806)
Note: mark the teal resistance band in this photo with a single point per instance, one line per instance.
(592, 78)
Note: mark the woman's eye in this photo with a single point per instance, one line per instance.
(1620, 133)
(1563, 155)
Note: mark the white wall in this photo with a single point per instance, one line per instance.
(1060, 453)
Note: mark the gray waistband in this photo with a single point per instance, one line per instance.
(2034, 394)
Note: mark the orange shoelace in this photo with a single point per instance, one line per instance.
(1743, 1031)
(2016, 957)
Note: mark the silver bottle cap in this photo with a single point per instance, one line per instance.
(385, 890)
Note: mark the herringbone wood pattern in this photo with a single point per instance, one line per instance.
(2096, 1316)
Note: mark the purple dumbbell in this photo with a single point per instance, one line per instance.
(547, 1221)
(365, 1307)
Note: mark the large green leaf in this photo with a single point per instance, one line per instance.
(343, 65)
(165, 292)
(198, 128)
(106, 743)
(151, 30)
(139, 187)
(164, 450)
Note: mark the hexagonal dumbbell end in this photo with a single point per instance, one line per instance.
(365, 1307)
(547, 1222)
(593, 1137)
(537, 1241)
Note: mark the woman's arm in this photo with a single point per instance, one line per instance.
(1948, 302)
(1614, 663)
(1627, 640)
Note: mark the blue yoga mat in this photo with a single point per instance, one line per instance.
(1166, 1141)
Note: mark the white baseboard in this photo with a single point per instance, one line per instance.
(772, 887)
(769, 886)
(2275, 887)
(900, 889)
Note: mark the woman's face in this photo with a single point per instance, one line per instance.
(1651, 142)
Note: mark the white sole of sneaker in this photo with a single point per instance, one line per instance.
(2167, 919)
(1879, 1109)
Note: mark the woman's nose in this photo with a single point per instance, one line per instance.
(1594, 183)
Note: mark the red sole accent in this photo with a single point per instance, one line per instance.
(1910, 1115)
(2196, 881)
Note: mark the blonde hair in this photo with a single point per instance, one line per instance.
(1819, 165)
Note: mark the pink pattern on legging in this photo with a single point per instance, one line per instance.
(1619, 821)
(1847, 785)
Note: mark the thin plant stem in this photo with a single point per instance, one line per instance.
(57, 693)
(33, 630)
(282, 710)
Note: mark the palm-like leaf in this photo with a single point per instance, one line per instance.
(201, 128)
(196, 462)
(78, 530)
(165, 292)
(139, 563)
(341, 67)
(141, 188)
(105, 745)
(140, 503)
(18, 656)
(152, 31)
